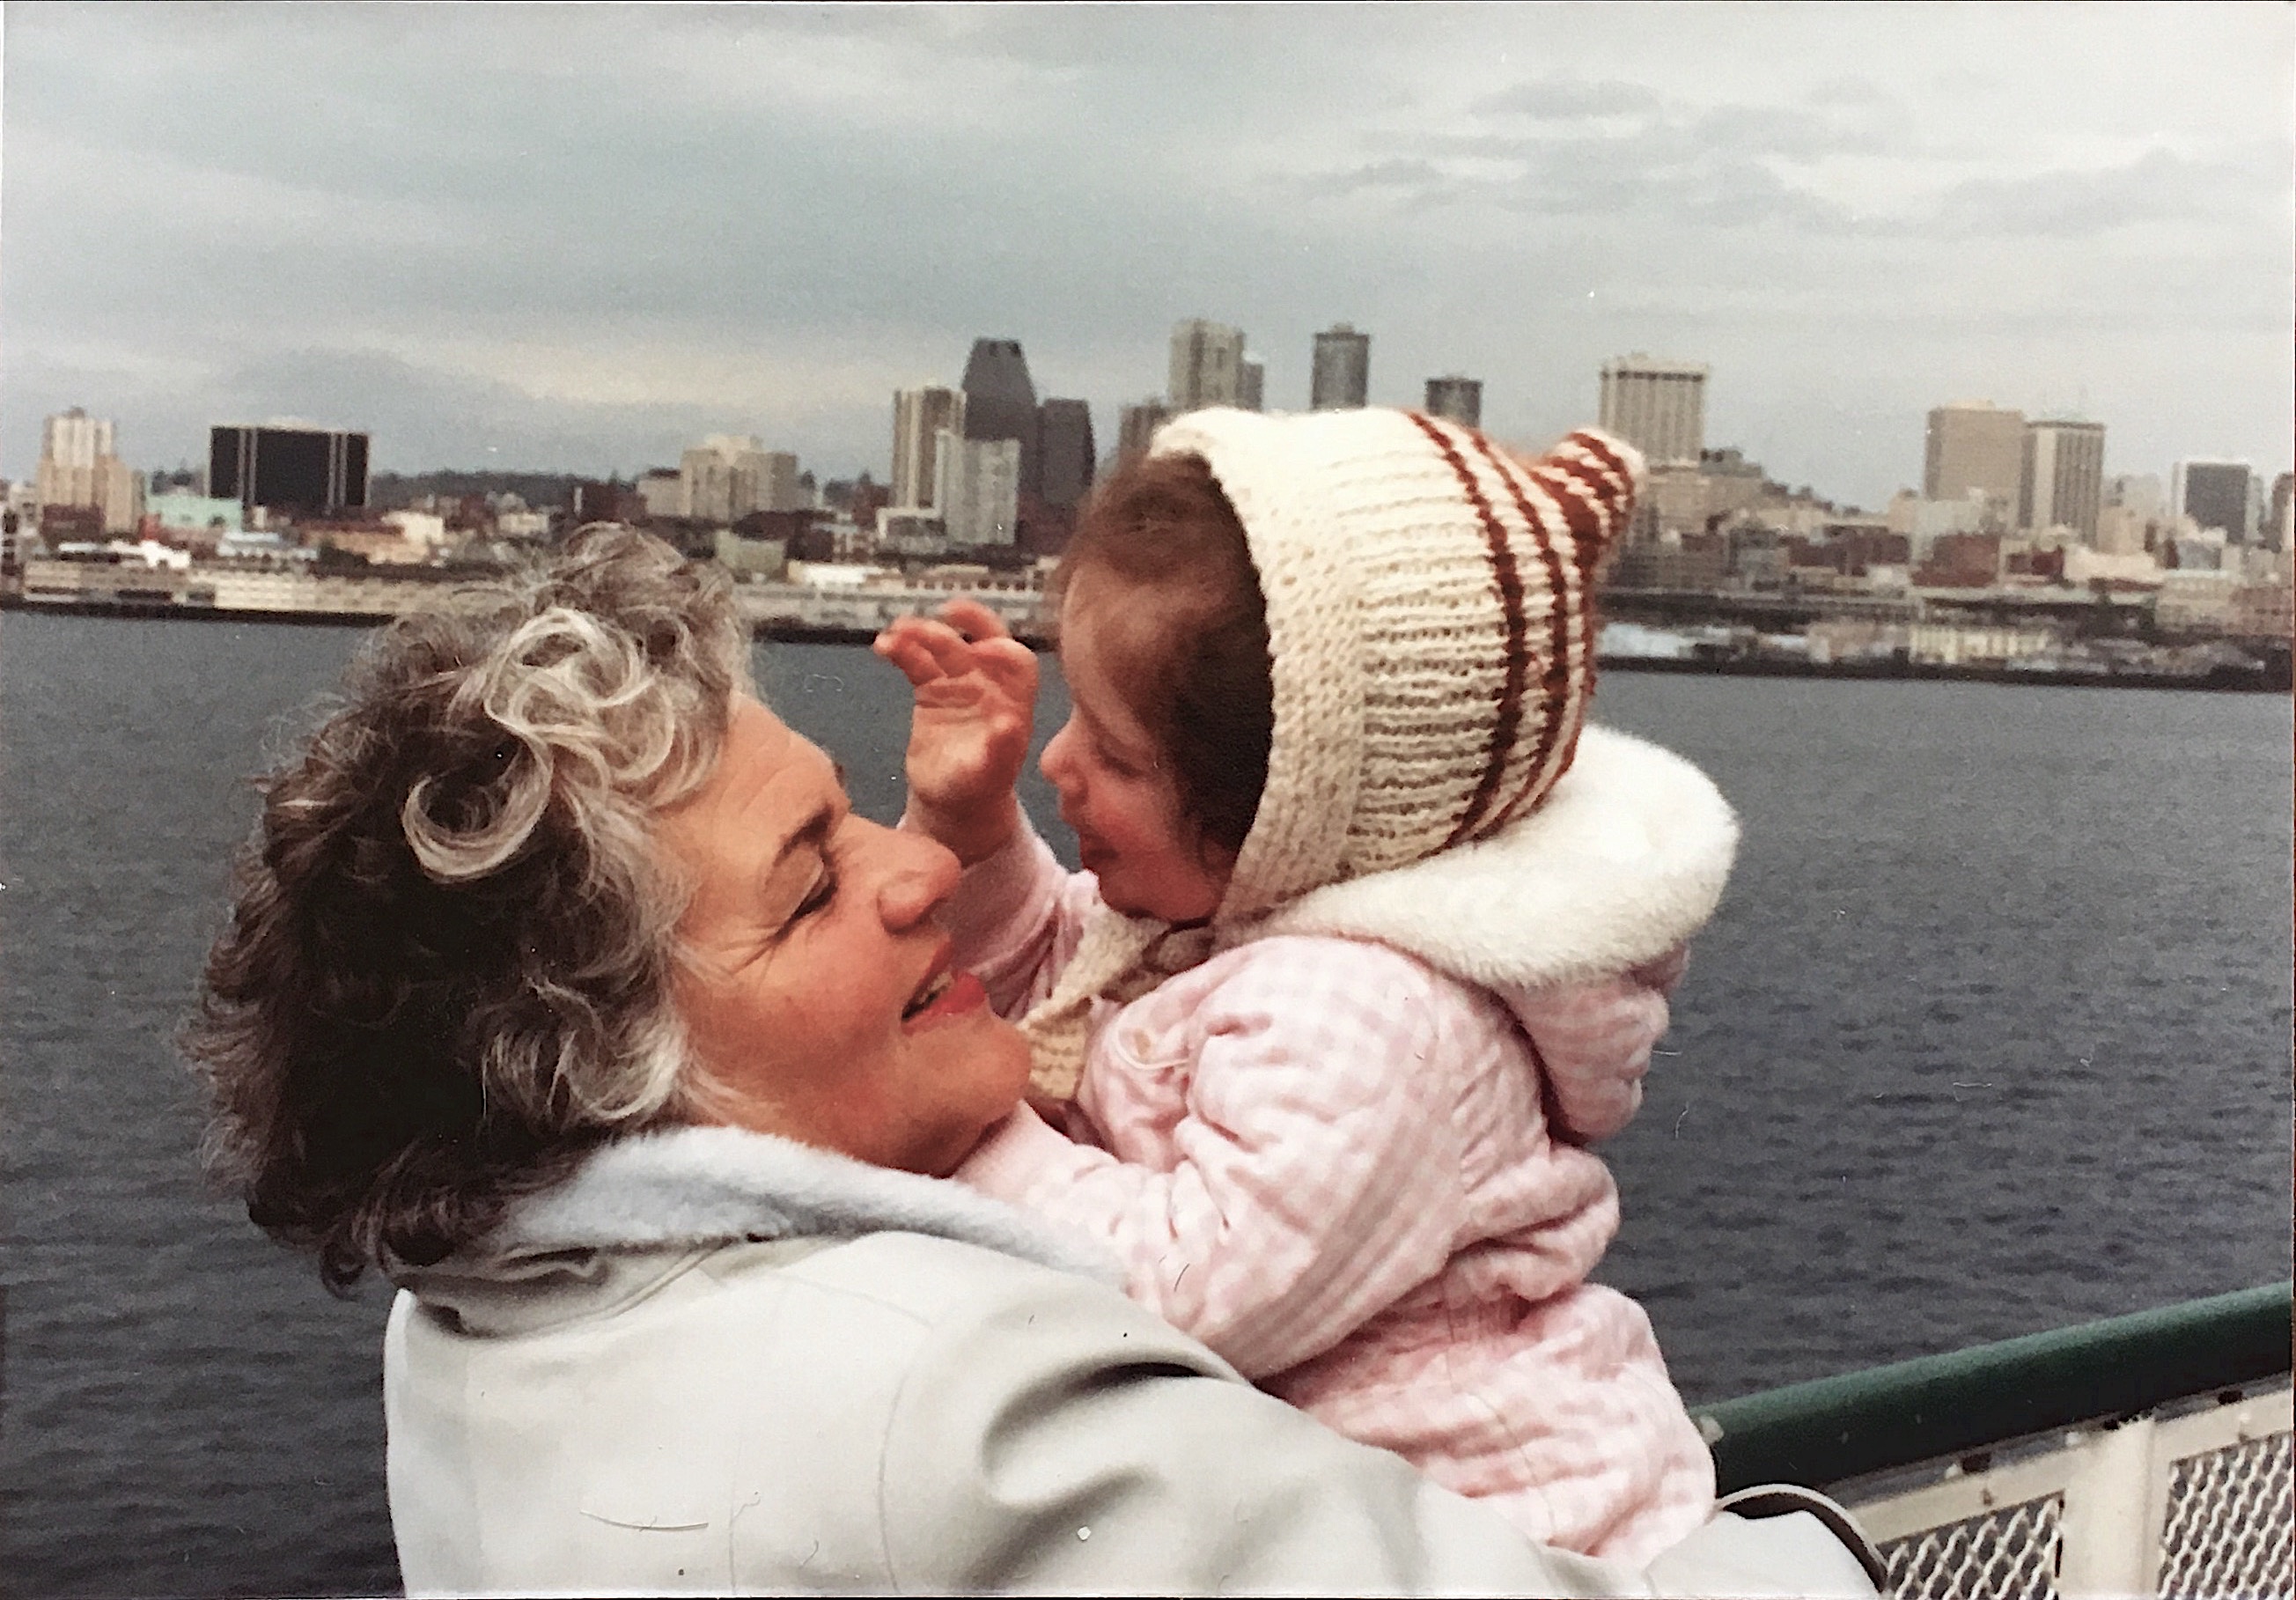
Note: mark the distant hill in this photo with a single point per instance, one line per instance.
(395, 491)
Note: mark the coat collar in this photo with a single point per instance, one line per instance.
(689, 1189)
(1625, 858)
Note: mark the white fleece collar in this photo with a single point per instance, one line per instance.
(692, 1187)
(1625, 858)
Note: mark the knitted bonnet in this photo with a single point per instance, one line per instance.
(1431, 629)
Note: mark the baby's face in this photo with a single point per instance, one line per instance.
(1116, 786)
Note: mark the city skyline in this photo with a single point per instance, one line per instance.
(553, 279)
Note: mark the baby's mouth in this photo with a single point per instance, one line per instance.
(937, 985)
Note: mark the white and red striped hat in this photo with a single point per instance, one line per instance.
(1431, 626)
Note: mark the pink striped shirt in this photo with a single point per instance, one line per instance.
(1349, 1174)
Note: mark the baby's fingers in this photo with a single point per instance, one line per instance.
(945, 646)
(973, 619)
(1011, 665)
(919, 648)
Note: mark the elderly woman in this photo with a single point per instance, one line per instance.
(564, 986)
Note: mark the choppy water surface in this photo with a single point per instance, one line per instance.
(1991, 1035)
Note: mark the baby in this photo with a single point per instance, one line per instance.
(1374, 937)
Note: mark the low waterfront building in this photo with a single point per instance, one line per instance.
(1961, 561)
(1962, 643)
(209, 516)
(427, 528)
(751, 560)
(1697, 561)
(2261, 610)
(662, 493)
(2195, 602)
(380, 546)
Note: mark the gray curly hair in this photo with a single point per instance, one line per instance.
(447, 973)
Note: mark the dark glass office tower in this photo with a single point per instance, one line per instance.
(1001, 403)
(314, 470)
(2215, 494)
(1065, 454)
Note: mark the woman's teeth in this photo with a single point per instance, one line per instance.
(927, 995)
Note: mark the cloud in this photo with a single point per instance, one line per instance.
(529, 222)
(1570, 100)
(2157, 189)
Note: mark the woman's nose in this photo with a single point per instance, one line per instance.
(919, 875)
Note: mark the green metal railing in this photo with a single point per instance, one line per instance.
(1968, 1400)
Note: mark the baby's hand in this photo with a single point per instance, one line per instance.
(976, 702)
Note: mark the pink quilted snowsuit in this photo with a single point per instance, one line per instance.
(1365, 1182)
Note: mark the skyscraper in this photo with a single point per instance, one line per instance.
(79, 466)
(1065, 452)
(2062, 483)
(1657, 406)
(287, 466)
(1460, 400)
(979, 492)
(1001, 403)
(1341, 376)
(920, 415)
(727, 476)
(1136, 426)
(1207, 365)
(1975, 446)
(1251, 384)
(2215, 494)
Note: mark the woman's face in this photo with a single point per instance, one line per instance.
(817, 991)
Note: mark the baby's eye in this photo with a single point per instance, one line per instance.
(1122, 765)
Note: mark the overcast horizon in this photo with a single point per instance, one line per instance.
(577, 239)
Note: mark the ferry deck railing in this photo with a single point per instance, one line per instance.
(2142, 1454)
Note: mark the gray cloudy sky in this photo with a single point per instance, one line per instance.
(576, 238)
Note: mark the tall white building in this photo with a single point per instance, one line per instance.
(1207, 365)
(727, 476)
(79, 466)
(1657, 406)
(979, 489)
(2063, 477)
(919, 417)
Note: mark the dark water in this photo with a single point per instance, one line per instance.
(1991, 1035)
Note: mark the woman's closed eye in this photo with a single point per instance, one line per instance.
(818, 897)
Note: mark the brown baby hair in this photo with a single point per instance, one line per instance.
(1189, 636)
